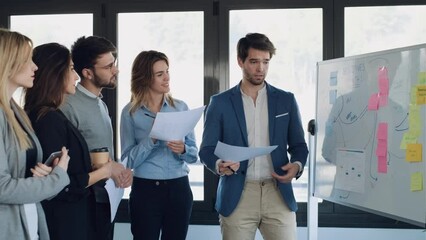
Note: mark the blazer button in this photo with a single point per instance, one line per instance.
(157, 183)
(67, 189)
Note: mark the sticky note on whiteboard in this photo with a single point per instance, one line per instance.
(413, 152)
(416, 183)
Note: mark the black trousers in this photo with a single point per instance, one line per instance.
(160, 206)
(70, 220)
(104, 227)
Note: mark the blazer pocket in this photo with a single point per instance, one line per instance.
(281, 115)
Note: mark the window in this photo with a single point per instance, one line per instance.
(371, 29)
(62, 28)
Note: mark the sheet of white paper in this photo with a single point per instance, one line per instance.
(169, 126)
(350, 170)
(115, 194)
(237, 154)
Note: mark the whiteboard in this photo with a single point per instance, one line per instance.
(371, 135)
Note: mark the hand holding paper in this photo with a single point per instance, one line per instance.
(238, 154)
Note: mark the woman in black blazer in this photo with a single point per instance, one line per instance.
(71, 214)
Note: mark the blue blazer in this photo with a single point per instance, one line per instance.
(225, 122)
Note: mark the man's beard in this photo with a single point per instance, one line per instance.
(256, 82)
(252, 79)
(98, 82)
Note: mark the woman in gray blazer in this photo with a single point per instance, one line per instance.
(24, 180)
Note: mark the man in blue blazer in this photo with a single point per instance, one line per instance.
(256, 193)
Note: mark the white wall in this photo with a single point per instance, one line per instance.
(212, 232)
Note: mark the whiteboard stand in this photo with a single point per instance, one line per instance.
(312, 223)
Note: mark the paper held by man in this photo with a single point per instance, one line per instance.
(115, 194)
(237, 154)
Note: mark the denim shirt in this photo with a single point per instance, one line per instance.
(151, 160)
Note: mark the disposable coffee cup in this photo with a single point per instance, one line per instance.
(99, 156)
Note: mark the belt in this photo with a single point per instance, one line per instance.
(158, 182)
(262, 182)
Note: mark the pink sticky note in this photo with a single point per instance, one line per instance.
(384, 86)
(382, 148)
(382, 165)
(383, 81)
(382, 72)
(383, 100)
(382, 131)
(373, 102)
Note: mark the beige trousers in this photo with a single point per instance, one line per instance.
(261, 207)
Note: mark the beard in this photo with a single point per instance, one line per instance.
(102, 83)
(255, 81)
(252, 79)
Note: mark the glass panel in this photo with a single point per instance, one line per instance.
(370, 29)
(61, 28)
(297, 35)
(180, 36)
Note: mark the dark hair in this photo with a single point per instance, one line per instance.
(86, 50)
(143, 77)
(53, 61)
(254, 40)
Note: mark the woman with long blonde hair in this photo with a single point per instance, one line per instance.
(24, 180)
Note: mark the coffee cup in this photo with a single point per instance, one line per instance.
(99, 156)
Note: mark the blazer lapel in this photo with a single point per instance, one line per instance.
(29, 132)
(237, 103)
(272, 110)
(80, 138)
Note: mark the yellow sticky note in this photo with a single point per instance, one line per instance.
(421, 94)
(415, 124)
(416, 183)
(413, 152)
(413, 96)
(414, 112)
(406, 139)
(421, 78)
(415, 129)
